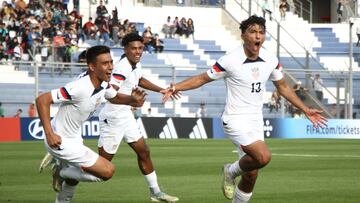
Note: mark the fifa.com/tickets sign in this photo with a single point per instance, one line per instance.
(303, 128)
(17, 129)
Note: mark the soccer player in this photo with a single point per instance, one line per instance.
(246, 71)
(117, 122)
(79, 99)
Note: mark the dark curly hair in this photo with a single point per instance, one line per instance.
(254, 19)
(130, 38)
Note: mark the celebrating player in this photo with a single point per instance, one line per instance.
(117, 122)
(74, 161)
(246, 71)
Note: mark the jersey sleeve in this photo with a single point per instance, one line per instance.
(277, 74)
(217, 71)
(110, 92)
(69, 93)
(119, 75)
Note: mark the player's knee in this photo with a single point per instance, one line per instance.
(144, 154)
(264, 159)
(109, 172)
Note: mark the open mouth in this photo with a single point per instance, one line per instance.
(257, 43)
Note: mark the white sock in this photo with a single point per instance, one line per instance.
(151, 180)
(235, 169)
(78, 174)
(240, 196)
(66, 194)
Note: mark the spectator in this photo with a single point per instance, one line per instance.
(90, 29)
(71, 50)
(190, 28)
(2, 111)
(339, 10)
(274, 101)
(31, 110)
(148, 38)
(182, 28)
(358, 35)
(149, 112)
(115, 29)
(201, 112)
(169, 28)
(266, 9)
(300, 91)
(18, 113)
(158, 44)
(105, 30)
(318, 85)
(283, 7)
(333, 110)
(101, 10)
(65, 5)
(82, 57)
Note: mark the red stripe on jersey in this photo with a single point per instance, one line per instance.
(279, 66)
(217, 69)
(119, 77)
(64, 93)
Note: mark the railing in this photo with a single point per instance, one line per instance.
(304, 10)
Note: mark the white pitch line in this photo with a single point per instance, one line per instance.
(313, 155)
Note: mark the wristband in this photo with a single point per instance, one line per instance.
(173, 88)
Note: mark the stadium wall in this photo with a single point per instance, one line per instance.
(26, 129)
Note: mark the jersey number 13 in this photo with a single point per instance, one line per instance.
(256, 87)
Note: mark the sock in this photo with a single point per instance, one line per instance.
(151, 180)
(240, 196)
(78, 174)
(66, 194)
(235, 169)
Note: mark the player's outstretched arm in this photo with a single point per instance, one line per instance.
(144, 83)
(314, 115)
(187, 84)
(136, 99)
(43, 103)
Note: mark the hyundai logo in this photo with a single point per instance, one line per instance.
(36, 130)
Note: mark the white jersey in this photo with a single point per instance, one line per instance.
(126, 77)
(245, 79)
(79, 100)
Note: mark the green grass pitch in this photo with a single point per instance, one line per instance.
(301, 171)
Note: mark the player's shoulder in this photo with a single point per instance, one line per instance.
(267, 55)
(122, 66)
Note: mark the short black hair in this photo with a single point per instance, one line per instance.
(95, 51)
(254, 19)
(130, 38)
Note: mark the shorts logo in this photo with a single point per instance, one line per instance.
(35, 129)
(267, 128)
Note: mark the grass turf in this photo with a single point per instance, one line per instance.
(301, 170)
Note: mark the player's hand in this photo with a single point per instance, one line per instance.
(170, 92)
(314, 115)
(138, 96)
(53, 140)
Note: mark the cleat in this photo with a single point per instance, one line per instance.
(57, 180)
(47, 161)
(163, 197)
(228, 184)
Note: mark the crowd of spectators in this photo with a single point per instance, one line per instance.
(50, 27)
(39, 24)
(180, 27)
